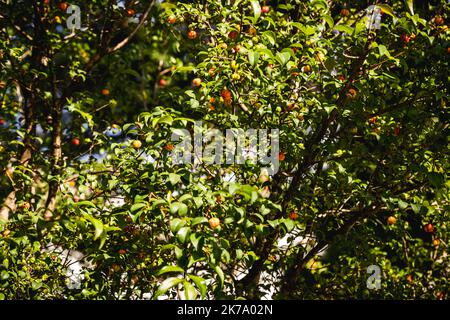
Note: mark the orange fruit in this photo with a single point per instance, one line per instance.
(192, 34)
(172, 19)
(196, 82)
(391, 220)
(281, 156)
(214, 222)
(429, 228)
(105, 92)
(293, 215)
(136, 144)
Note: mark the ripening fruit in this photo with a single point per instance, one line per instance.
(226, 96)
(162, 82)
(265, 9)
(409, 278)
(26, 206)
(293, 215)
(115, 267)
(122, 251)
(169, 147)
(46, 2)
(429, 228)
(237, 48)
(436, 242)
(405, 38)
(192, 34)
(391, 220)
(196, 82)
(6, 233)
(281, 156)
(136, 144)
(75, 142)
(130, 12)
(212, 100)
(212, 72)
(373, 120)
(63, 6)
(306, 69)
(345, 12)
(352, 93)
(448, 50)
(105, 92)
(341, 78)
(233, 35)
(252, 31)
(2, 122)
(2, 84)
(58, 19)
(172, 19)
(438, 20)
(214, 222)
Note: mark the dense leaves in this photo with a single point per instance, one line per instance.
(359, 93)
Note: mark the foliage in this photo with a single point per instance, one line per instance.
(363, 114)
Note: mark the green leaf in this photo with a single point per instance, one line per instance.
(198, 220)
(167, 269)
(386, 9)
(200, 283)
(220, 274)
(402, 204)
(416, 207)
(183, 234)
(176, 224)
(256, 8)
(174, 178)
(189, 291)
(179, 207)
(135, 207)
(410, 5)
(283, 57)
(329, 20)
(253, 57)
(166, 285)
(343, 28)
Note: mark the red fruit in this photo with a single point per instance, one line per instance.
(26, 206)
(345, 12)
(46, 2)
(169, 147)
(265, 9)
(341, 78)
(75, 142)
(438, 20)
(192, 34)
(373, 120)
(448, 50)
(2, 121)
(122, 251)
(396, 131)
(429, 228)
(293, 215)
(162, 82)
(405, 38)
(130, 12)
(281, 156)
(105, 92)
(232, 35)
(63, 6)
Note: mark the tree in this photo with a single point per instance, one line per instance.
(358, 92)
